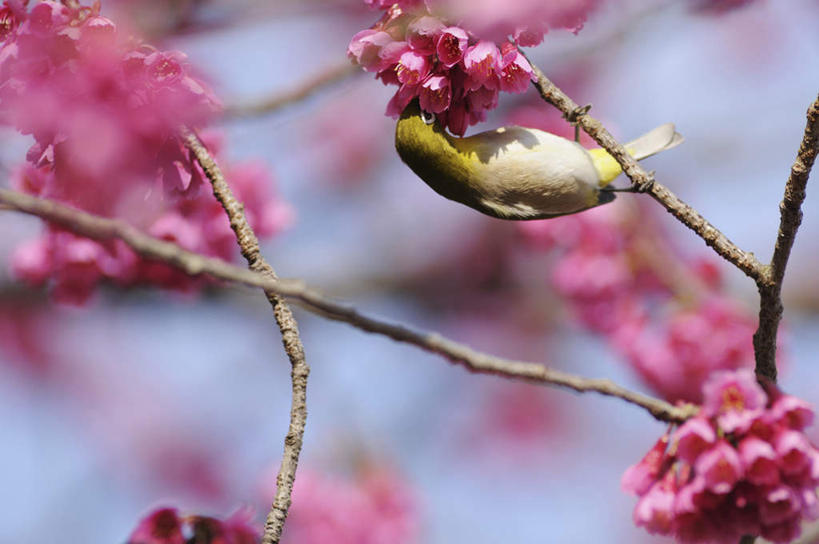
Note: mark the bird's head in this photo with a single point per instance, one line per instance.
(419, 136)
(418, 126)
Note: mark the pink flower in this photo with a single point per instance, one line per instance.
(451, 46)
(792, 412)
(759, 461)
(365, 47)
(516, 72)
(422, 33)
(779, 504)
(412, 68)
(402, 97)
(694, 498)
(693, 437)
(793, 451)
(735, 398)
(162, 526)
(654, 510)
(720, 466)
(481, 63)
(8, 22)
(640, 477)
(436, 94)
(764, 426)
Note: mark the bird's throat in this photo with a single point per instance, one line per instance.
(434, 156)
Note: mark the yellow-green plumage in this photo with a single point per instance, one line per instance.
(515, 172)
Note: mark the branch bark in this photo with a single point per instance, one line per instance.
(249, 246)
(100, 228)
(770, 290)
(645, 181)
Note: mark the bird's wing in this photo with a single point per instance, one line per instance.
(531, 171)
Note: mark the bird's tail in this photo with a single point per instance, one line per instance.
(652, 142)
(661, 138)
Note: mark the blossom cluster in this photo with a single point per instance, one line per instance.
(667, 315)
(455, 56)
(167, 526)
(105, 113)
(742, 466)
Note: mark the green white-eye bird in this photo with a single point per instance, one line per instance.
(515, 172)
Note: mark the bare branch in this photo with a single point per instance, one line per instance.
(770, 307)
(100, 228)
(249, 246)
(643, 180)
(323, 79)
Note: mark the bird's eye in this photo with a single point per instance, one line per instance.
(427, 117)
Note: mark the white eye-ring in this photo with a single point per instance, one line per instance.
(427, 117)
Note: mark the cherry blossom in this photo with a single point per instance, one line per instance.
(712, 483)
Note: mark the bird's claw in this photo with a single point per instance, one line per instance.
(633, 188)
(646, 186)
(573, 117)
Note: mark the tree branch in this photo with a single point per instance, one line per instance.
(770, 306)
(323, 79)
(100, 228)
(644, 181)
(249, 246)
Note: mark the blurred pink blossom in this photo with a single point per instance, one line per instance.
(623, 280)
(74, 266)
(105, 113)
(376, 507)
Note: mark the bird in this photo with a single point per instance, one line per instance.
(513, 172)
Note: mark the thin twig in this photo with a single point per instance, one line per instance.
(100, 228)
(770, 306)
(323, 79)
(249, 246)
(643, 180)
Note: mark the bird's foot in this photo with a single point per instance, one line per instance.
(634, 188)
(573, 117)
(647, 185)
